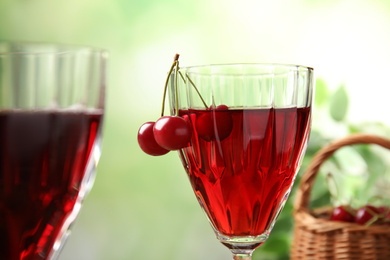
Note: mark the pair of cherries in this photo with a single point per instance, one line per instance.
(366, 215)
(170, 133)
(174, 132)
(166, 134)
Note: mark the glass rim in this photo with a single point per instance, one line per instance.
(288, 67)
(57, 48)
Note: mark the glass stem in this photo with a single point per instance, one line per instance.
(247, 256)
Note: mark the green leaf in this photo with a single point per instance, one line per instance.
(339, 104)
(350, 161)
(321, 93)
(277, 244)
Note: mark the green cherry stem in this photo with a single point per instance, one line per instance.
(176, 91)
(175, 66)
(197, 91)
(175, 61)
(375, 217)
(193, 85)
(182, 77)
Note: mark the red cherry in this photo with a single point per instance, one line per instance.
(223, 122)
(222, 107)
(343, 213)
(172, 132)
(383, 209)
(367, 215)
(204, 126)
(147, 142)
(214, 125)
(386, 216)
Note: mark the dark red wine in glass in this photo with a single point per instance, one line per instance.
(51, 115)
(43, 159)
(247, 176)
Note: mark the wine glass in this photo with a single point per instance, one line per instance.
(250, 127)
(51, 115)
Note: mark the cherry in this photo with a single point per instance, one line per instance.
(203, 125)
(387, 213)
(383, 209)
(215, 125)
(384, 215)
(343, 213)
(147, 142)
(172, 132)
(367, 215)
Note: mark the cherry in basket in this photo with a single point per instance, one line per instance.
(343, 213)
(368, 215)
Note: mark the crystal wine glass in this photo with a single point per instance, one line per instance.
(250, 127)
(51, 114)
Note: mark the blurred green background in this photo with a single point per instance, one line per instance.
(143, 207)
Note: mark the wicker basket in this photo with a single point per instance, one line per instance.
(319, 238)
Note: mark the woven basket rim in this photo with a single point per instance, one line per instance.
(302, 197)
(305, 217)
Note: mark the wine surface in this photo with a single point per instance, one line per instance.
(241, 181)
(43, 157)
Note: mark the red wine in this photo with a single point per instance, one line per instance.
(43, 157)
(241, 181)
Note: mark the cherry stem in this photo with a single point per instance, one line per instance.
(175, 66)
(193, 85)
(350, 211)
(375, 216)
(176, 91)
(175, 61)
(197, 91)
